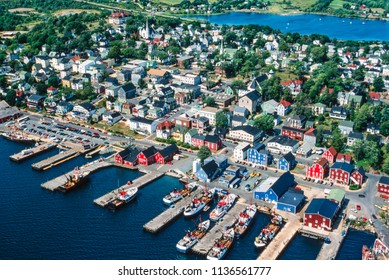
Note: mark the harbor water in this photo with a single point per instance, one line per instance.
(39, 224)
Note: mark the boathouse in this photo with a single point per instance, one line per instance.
(166, 155)
(292, 201)
(147, 157)
(321, 214)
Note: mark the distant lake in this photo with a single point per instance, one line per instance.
(306, 24)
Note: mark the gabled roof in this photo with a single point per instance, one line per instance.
(212, 138)
(292, 197)
(289, 157)
(345, 157)
(343, 166)
(332, 151)
(169, 150)
(337, 195)
(252, 95)
(150, 151)
(248, 129)
(322, 161)
(355, 135)
(283, 184)
(210, 168)
(384, 180)
(285, 103)
(283, 140)
(322, 206)
(360, 170)
(128, 87)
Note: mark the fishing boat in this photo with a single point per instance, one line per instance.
(221, 246)
(175, 195)
(192, 237)
(244, 220)
(198, 204)
(18, 138)
(367, 254)
(222, 207)
(379, 251)
(277, 220)
(74, 180)
(122, 198)
(267, 234)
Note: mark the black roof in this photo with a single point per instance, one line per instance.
(356, 135)
(221, 131)
(169, 150)
(210, 168)
(159, 104)
(212, 138)
(283, 184)
(123, 154)
(142, 120)
(128, 87)
(150, 151)
(301, 130)
(283, 140)
(248, 129)
(253, 95)
(289, 157)
(384, 180)
(88, 106)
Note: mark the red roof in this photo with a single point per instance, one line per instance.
(310, 132)
(119, 14)
(322, 161)
(345, 157)
(165, 124)
(285, 103)
(51, 88)
(332, 151)
(374, 95)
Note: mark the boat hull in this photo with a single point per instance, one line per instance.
(195, 211)
(170, 201)
(184, 248)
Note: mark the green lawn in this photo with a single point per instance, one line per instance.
(337, 4)
(278, 5)
(285, 76)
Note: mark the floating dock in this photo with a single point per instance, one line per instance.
(55, 160)
(139, 183)
(167, 216)
(55, 183)
(32, 152)
(206, 243)
(281, 240)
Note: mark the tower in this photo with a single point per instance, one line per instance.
(147, 30)
(221, 47)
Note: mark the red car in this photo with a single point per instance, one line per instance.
(384, 196)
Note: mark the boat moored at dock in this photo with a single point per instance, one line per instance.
(244, 220)
(222, 207)
(74, 180)
(123, 197)
(192, 237)
(175, 195)
(268, 233)
(18, 138)
(198, 204)
(222, 245)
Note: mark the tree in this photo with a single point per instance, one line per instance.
(114, 53)
(11, 97)
(337, 140)
(210, 101)
(221, 119)
(357, 149)
(142, 84)
(266, 123)
(3, 81)
(203, 153)
(384, 128)
(361, 119)
(359, 74)
(378, 84)
(319, 137)
(385, 165)
(372, 153)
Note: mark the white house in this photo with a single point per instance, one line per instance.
(210, 113)
(142, 125)
(240, 151)
(246, 133)
(282, 145)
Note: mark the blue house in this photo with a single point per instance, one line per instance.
(273, 188)
(208, 171)
(286, 162)
(292, 201)
(261, 157)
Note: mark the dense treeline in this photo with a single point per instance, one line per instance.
(46, 5)
(10, 21)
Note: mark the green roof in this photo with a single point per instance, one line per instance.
(346, 123)
(337, 195)
(356, 98)
(319, 105)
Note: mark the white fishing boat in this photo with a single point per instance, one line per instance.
(122, 198)
(198, 204)
(192, 237)
(222, 207)
(245, 219)
(174, 196)
(221, 246)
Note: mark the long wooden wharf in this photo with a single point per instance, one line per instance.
(281, 240)
(32, 152)
(330, 250)
(55, 160)
(55, 183)
(207, 242)
(139, 183)
(159, 222)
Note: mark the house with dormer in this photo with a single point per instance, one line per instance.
(283, 108)
(250, 101)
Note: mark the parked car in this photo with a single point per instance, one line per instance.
(361, 195)
(374, 216)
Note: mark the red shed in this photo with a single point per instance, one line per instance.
(166, 154)
(340, 172)
(146, 157)
(358, 176)
(213, 142)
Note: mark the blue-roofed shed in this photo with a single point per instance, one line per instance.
(292, 201)
(273, 188)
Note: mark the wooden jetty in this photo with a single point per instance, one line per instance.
(281, 240)
(170, 214)
(330, 250)
(55, 183)
(139, 182)
(95, 151)
(55, 160)
(207, 242)
(32, 152)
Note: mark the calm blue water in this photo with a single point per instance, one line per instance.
(302, 248)
(39, 224)
(333, 27)
(354, 241)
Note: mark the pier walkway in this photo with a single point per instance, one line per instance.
(329, 251)
(55, 160)
(32, 152)
(282, 239)
(207, 242)
(139, 182)
(55, 183)
(167, 216)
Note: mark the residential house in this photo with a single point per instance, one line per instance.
(358, 176)
(321, 214)
(240, 151)
(295, 86)
(318, 109)
(282, 145)
(269, 107)
(283, 108)
(111, 117)
(157, 75)
(164, 129)
(188, 136)
(241, 111)
(83, 111)
(353, 136)
(63, 108)
(259, 157)
(98, 115)
(340, 172)
(142, 125)
(209, 113)
(373, 128)
(338, 113)
(346, 127)
(318, 170)
(246, 133)
(118, 17)
(201, 124)
(190, 79)
(293, 133)
(344, 158)
(35, 101)
(126, 92)
(292, 201)
(207, 172)
(250, 101)
(337, 196)
(310, 137)
(273, 188)
(330, 154)
(286, 162)
(383, 185)
(221, 132)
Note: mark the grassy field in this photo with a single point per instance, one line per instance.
(73, 11)
(119, 128)
(286, 76)
(337, 4)
(280, 6)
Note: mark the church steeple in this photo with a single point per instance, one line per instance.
(222, 47)
(147, 30)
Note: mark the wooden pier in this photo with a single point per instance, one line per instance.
(32, 152)
(55, 160)
(55, 183)
(329, 251)
(207, 242)
(281, 240)
(139, 183)
(170, 214)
